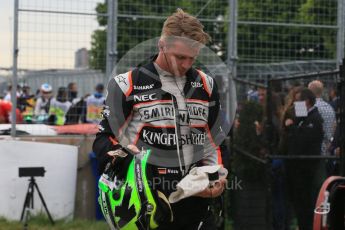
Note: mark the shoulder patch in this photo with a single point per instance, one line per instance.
(210, 81)
(124, 81)
(207, 81)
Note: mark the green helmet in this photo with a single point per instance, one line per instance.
(129, 202)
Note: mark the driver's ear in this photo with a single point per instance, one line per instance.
(161, 46)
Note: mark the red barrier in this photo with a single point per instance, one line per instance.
(76, 129)
(326, 208)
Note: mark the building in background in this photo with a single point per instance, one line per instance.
(86, 79)
(81, 59)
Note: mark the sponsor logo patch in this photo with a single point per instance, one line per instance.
(145, 97)
(155, 112)
(121, 79)
(143, 87)
(196, 84)
(162, 171)
(169, 139)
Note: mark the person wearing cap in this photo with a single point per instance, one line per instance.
(26, 104)
(43, 102)
(94, 105)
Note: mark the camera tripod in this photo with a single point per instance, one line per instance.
(29, 203)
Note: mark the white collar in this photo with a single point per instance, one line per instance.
(311, 108)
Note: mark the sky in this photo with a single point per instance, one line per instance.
(6, 43)
(46, 40)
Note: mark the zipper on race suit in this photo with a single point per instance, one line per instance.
(179, 148)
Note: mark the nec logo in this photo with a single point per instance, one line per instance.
(145, 97)
(196, 84)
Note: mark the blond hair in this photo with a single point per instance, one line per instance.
(289, 101)
(316, 87)
(182, 24)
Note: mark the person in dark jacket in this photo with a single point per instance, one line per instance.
(173, 109)
(304, 137)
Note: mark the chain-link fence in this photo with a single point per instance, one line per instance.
(288, 37)
(62, 42)
(54, 39)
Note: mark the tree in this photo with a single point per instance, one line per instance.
(133, 30)
(265, 43)
(321, 12)
(141, 20)
(98, 50)
(99, 40)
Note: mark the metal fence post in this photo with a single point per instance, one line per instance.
(231, 48)
(269, 115)
(340, 32)
(111, 39)
(341, 116)
(14, 70)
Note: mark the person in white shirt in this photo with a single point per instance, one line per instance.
(8, 94)
(327, 114)
(43, 101)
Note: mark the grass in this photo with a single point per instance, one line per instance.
(42, 223)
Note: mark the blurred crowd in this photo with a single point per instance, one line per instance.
(302, 123)
(45, 107)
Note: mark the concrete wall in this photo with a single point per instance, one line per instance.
(85, 195)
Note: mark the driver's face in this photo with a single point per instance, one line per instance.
(180, 57)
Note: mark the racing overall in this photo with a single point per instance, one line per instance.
(181, 127)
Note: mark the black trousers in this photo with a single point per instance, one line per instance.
(303, 183)
(191, 214)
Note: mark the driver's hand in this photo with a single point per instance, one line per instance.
(133, 148)
(122, 153)
(216, 190)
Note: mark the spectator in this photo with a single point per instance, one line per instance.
(9, 92)
(282, 217)
(270, 136)
(333, 98)
(59, 107)
(252, 95)
(94, 105)
(327, 114)
(288, 112)
(269, 133)
(26, 91)
(5, 113)
(26, 104)
(77, 112)
(304, 137)
(333, 166)
(42, 103)
(262, 95)
(72, 90)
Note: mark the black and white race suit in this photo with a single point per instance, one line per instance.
(139, 110)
